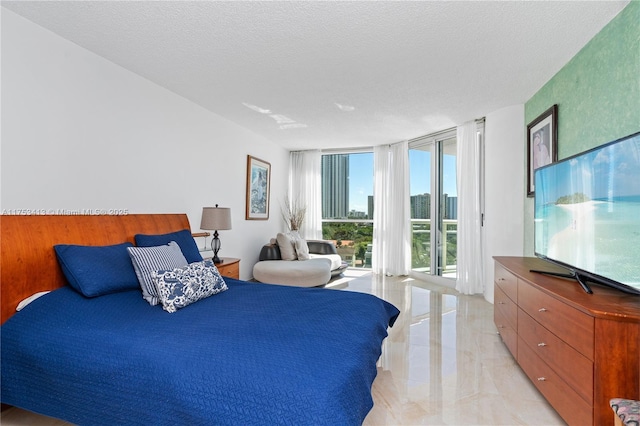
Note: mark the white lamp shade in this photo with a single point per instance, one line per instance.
(216, 218)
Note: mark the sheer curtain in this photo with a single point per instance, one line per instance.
(391, 213)
(305, 183)
(470, 269)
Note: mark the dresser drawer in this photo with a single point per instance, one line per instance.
(507, 333)
(571, 325)
(506, 307)
(507, 282)
(573, 409)
(574, 368)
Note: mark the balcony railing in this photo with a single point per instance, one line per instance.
(354, 242)
(421, 247)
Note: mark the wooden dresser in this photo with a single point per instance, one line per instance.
(580, 350)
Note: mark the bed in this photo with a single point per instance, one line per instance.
(253, 354)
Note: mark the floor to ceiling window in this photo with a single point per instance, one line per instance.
(347, 205)
(434, 204)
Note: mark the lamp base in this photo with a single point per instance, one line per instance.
(215, 246)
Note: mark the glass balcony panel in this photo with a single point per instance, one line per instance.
(353, 239)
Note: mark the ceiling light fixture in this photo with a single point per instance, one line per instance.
(346, 108)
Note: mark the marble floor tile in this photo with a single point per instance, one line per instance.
(442, 363)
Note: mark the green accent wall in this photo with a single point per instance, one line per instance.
(598, 90)
(597, 93)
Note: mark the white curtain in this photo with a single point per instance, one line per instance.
(391, 212)
(470, 254)
(305, 183)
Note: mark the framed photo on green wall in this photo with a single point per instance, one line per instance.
(542, 144)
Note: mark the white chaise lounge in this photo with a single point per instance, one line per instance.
(324, 262)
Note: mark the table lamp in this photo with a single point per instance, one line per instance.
(216, 219)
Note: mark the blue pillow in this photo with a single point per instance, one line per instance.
(97, 270)
(183, 238)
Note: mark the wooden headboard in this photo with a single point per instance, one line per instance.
(29, 263)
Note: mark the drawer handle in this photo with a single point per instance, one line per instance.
(542, 379)
(500, 303)
(500, 279)
(542, 344)
(542, 310)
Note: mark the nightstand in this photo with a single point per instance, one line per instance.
(230, 267)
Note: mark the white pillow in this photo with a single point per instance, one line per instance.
(302, 249)
(287, 245)
(30, 299)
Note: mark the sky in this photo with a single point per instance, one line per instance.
(607, 171)
(361, 176)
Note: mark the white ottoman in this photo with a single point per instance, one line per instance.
(300, 273)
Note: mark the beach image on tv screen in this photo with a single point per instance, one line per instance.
(587, 211)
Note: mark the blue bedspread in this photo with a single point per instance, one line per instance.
(255, 354)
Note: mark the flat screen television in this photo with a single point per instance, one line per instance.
(587, 215)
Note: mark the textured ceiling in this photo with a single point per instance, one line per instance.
(335, 74)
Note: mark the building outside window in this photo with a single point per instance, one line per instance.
(347, 205)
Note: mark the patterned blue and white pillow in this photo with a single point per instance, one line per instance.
(183, 286)
(150, 259)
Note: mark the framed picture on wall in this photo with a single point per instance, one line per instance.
(258, 186)
(542, 144)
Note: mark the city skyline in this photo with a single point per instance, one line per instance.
(361, 177)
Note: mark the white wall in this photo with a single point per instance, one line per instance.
(504, 187)
(79, 132)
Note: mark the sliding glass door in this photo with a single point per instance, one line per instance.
(434, 204)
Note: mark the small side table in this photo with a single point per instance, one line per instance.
(230, 267)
